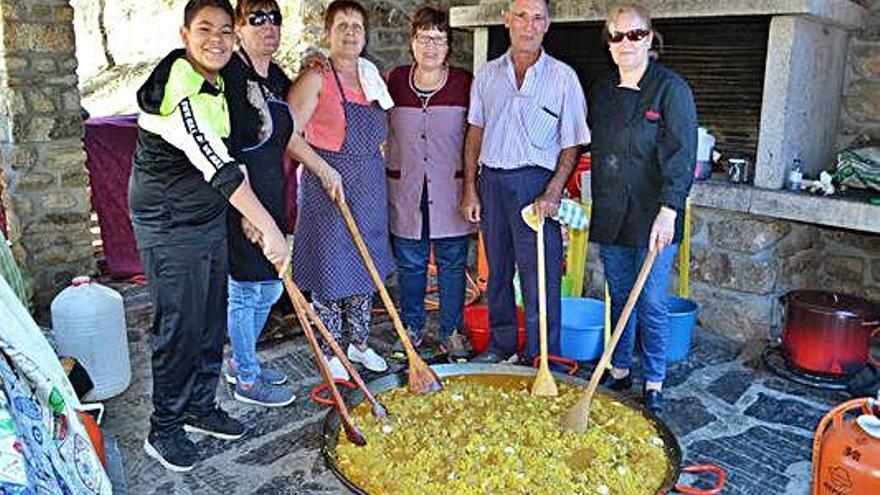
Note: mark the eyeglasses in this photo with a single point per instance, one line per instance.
(425, 40)
(634, 35)
(260, 17)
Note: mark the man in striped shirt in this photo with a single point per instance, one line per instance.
(527, 123)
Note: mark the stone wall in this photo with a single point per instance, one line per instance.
(740, 265)
(389, 30)
(139, 33)
(44, 180)
(860, 116)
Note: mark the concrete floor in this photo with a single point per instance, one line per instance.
(723, 407)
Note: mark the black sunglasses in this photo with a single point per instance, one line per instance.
(633, 35)
(260, 17)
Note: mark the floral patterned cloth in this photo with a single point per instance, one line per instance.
(40, 433)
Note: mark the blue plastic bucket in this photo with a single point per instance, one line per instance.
(682, 318)
(583, 327)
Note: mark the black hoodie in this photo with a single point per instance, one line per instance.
(182, 173)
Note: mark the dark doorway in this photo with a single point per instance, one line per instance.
(723, 59)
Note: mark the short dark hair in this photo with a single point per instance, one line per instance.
(338, 6)
(546, 4)
(193, 7)
(245, 7)
(428, 17)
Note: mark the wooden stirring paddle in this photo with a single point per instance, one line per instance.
(303, 307)
(578, 417)
(421, 377)
(352, 432)
(544, 385)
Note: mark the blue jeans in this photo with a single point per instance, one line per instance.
(450, 255)
(249, 307)
(650, 315)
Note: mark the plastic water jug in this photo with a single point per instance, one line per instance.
(88, 321)
(705, 145)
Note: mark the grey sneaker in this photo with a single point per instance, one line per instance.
(263, 394)
(269, 375)
(273, 376)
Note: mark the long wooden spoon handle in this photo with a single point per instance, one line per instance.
(351, 431)
(621, 323)
(374, 274)
(378, 408)
(542, 295)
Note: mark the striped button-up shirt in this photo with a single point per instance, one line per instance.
(529, 125)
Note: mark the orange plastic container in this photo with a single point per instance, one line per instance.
(846, 457)
(476, 322)
(95, 435)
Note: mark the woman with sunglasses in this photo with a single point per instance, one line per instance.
(342, 107)
(644, 125)
(425, 138)
(262, 129)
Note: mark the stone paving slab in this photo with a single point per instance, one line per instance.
(722, 406)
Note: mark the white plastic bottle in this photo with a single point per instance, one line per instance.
(88, 321)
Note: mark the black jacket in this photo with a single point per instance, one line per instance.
(182, 173)
(643, 154)
(261, 128)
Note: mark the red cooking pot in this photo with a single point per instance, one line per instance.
(829, 333)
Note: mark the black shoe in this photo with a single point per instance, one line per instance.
(456, 347)
(654, 401)
(174, 451)
(617, 384)
(487, 357)
(216, 423)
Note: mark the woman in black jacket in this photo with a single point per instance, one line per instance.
(644, 127)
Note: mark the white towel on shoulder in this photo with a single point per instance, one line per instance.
(373, 85)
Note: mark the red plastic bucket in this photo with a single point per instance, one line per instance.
(476, 322)
(574, 181)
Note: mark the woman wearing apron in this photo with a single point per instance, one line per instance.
(346, 124)
(262, 128)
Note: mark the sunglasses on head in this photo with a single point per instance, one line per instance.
(633, 35)
(260, 17)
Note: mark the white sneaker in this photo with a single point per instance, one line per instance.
(337, 370)
(368, 358)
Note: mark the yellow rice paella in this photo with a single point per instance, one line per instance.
(487, 435)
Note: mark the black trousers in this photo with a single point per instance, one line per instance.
(188, 289)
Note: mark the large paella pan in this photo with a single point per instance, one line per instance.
(484, 434)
